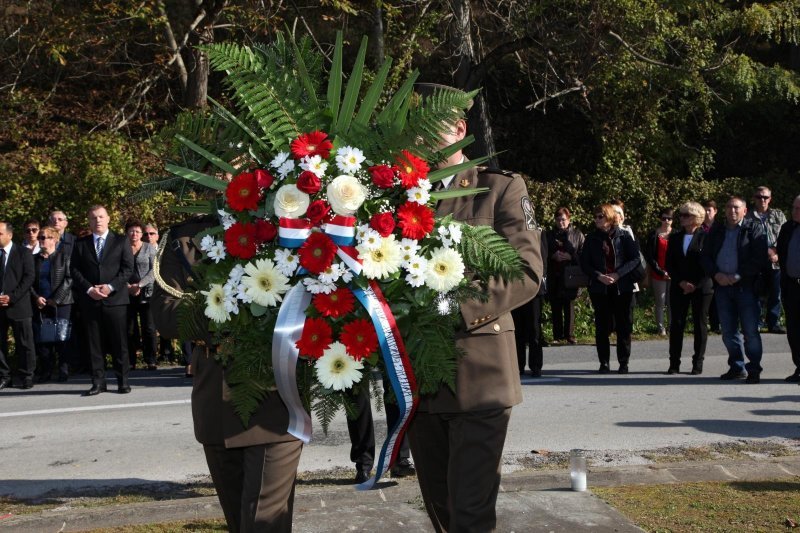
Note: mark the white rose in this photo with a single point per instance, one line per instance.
(346, 194)
(291, 202)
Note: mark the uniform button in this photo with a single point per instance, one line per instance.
(496, 327)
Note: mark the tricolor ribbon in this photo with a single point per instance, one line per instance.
(398, 372)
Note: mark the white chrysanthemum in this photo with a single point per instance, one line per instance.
(235, 275)
(444, 304)
(415, 280)
(418, 195)
(264, 283)
(217, 252)
(291, 202)
(279, 160)
(286, 261)
(206, 243)
(315, 164)
(361, 231)
(285, 169)
(346, 274)
(336, 370)
(425, 184)
(215, 303)
(445, 270)
(230, 303)
(417, 267)
(242, 294)
(315, 286)
(383, 261)
(410, 247)
(346, 194)
(226, 219)
(370, 239)
(349, 159)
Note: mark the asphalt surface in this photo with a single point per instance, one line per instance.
(55, 440)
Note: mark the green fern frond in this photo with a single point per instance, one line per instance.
(428, 337)
(484, 250)
(192, 322)
(326, 406)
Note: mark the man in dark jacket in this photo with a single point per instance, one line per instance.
(16, 278)
(734, 256)
(788, 248)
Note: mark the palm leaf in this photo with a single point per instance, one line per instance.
(335, 80)
(197, 177)
(353, 89)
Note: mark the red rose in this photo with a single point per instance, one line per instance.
(308, 182)
(383, 223)
(265, 230)
(382, 176)
(317, 211)
(264, 179)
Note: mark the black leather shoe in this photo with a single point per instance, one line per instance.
(623, 369)
(697, 369)
(777, 329)
(794, 378)
(96, 389)
(403, 468)
(151, 367)
(124, 389)
(63, 377)
(753, 377)
(361, 476)
(733, 374)
(604, 369)
(27, 383)
(5, 382)
(536, 373)
(673, 369)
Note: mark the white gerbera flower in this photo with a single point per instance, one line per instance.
(287, 261)
(264, 283)
(206, 243)
(285, 169)
(314, 164)
(226, 219)
(383, 261)
(418, 195)
(346, 194)
(279, 160)
(336, 370)
(291, 202)
(349, 159)
(215, 303)
(445, 270)
(217, 252)
(315, 286)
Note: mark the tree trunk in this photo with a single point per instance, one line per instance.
(376, 39)
(478, 118)
(196, 96)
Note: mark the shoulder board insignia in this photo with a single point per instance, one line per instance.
(491, 170)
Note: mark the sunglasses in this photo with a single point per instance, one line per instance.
(31, 230)
(43, 237)
(599, 217)
(151, 233)
(665, 219)
(762, 197)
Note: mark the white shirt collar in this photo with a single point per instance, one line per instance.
(446, 181)
(104, 236)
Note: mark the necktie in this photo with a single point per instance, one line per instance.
(98, 247)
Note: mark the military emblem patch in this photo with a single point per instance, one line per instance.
(527, 209)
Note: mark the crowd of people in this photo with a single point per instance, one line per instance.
(728, 272)
(71, 299)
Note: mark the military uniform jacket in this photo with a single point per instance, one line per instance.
(487, 376)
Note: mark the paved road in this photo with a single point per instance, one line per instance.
(51, 437)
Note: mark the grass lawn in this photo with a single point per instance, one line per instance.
(199, 526)
(713, 506)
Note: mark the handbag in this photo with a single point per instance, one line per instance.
(52, 330)
(575, 277)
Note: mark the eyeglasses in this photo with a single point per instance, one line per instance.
(31, 230)
(43, 237)
(761, 197)
(599, 217)
(666, 219)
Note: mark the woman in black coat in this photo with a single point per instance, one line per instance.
(611, 259)
(564, 244)
(690, 286)
(52, 296)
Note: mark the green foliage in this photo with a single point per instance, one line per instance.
(486, 251)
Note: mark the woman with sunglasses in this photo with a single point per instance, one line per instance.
(52, 296)
(609, 257)
(691, 287)
(655, 253)
(30, 239)
(141, 327)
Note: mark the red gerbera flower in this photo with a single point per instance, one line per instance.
(317, 337)
(359, 338)
(410, 168)
(415, 220)
(240, 240)
(315, 143)
(242, 192)
(338, 303)
(317, 253)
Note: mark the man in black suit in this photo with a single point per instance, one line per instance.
(16, 278)
(102, 263)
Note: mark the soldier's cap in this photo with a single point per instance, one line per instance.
(427, 90)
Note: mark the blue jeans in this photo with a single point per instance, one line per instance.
(738, 306)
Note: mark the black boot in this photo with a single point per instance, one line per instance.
(697, 366)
